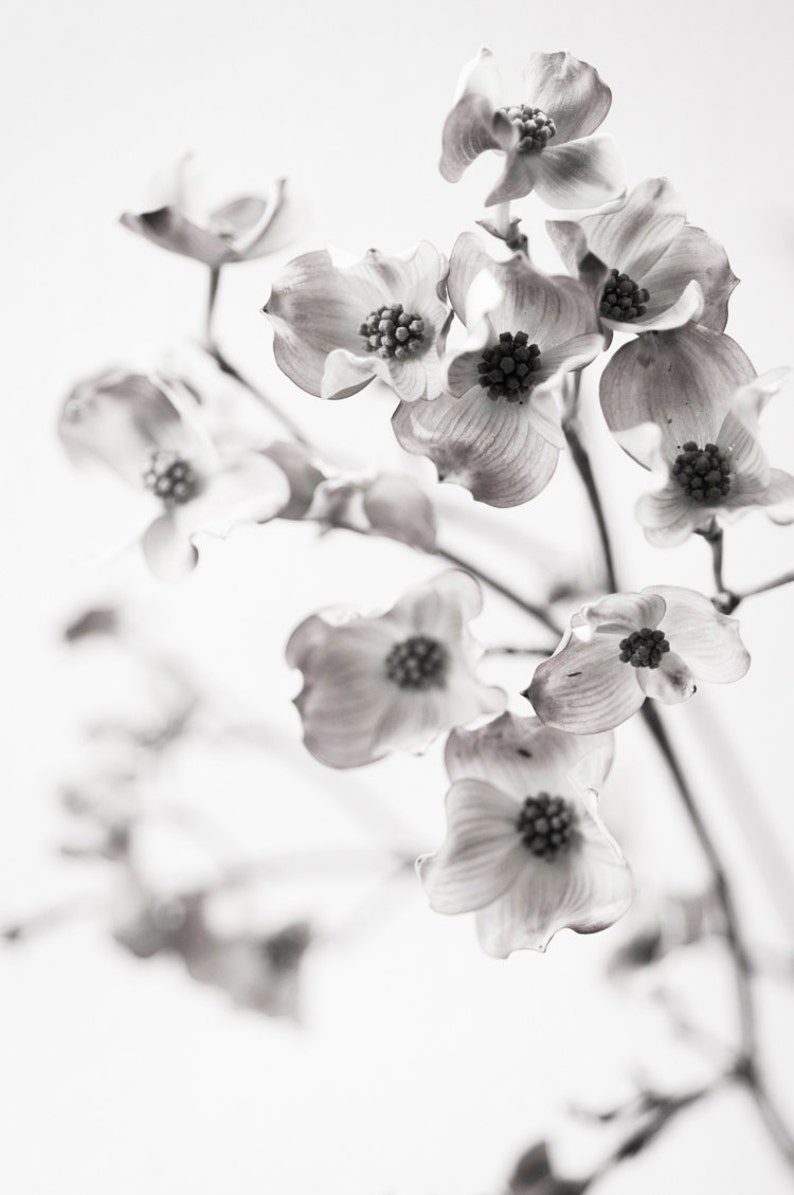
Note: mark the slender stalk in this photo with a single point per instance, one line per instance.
(582, 461)
(785, 579)
(212, 298)
(519, 651)
(275, 410)
(714, 538)
(539, 613)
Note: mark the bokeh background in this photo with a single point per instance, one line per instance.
(422, 1066)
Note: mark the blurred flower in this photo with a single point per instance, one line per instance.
(648, 268)
(498, 432)
(147, 923)
(237, 231)
(100, 620)
(546, 140)
(105, 808)
(525, 847)
(665, 923)
(339, 327)
(533, 1175)
(386, 504)
(259, 972)
(148, 431)
(688, 408)
(629, 646)
(374, 685)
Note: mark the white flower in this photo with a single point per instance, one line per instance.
(375, 685)
(525, 848)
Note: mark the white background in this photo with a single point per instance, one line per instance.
(424, 1066)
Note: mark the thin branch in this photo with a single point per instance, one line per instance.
(582, 461)
(540, 613)
(212, 298)
(785, 579)
(266, 401)
(520, 651)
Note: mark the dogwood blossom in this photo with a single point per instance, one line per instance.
(240, 229)
(525, 847)
(337, 328)
(376, 684)
(546, 140)
(629, 646)
(649, 270)
(498, 431)
(148, 430)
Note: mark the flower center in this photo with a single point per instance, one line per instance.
(546, 825)
(703, 473)
(535, 128)
(644, 649)
(392, 331)
(417, 663)
(171, 477)
(622, 299)
(506, 369)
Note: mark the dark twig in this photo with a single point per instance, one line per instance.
(539, 613)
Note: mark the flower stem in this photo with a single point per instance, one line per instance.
(581, 459)
(233, 372)
(539, 613)
(714, 538)
(212, 298)
(785, 579)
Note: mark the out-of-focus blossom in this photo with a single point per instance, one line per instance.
(337, 328)
(687, 407)
(386, 504)
(533, 1175)
(148, 431)
(525, 847)
(147, 923)
(546, 139)
(260, 972)
(648, 269)
(99, 620)
(629, 646)
(378, 684)
(664, 924)
(104, 809)
(240, 229)
(498, 431)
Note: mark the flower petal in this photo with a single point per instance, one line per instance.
(687, 308)
(397, 507)
(468, 132)
(620, 613)
(168, 551)
(491, 448)
(586, 688)
(303, 475)
(248, 488)
(568, 90)
(631, 239)
(170, 229)
(693, 255)
(672, 682)
(581, 174)
(681, 380)
(706, 640)
(522, 756)
(261, 226)
(482, 854)
(480, 76)
(669, 516)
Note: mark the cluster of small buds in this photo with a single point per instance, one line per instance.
(506, 369)
(704, 473)
(546, 825)
(622, 299)
(535, 128)
(393, 332)
(170, 478)
(417, 663)
(644, 649)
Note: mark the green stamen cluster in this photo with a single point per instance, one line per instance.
(171, 478)
(622, 299)
(535, 128)
(546, 825)
(417, 663)
(644, 649)
(506, 369)
(703, 473)
(392, 332)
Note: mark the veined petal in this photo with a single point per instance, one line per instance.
(345, 373)
(490, 447)
(706, 640)
(581, 174)
(669, 516)
(170, 229)
(631, 239)
(441, 607)
(518, 178)
(693, 254)
(482, 853)
(521, 756)
(480, 76)
(620, 613)
(586, 889)
(545, 396)
(469, 130)
(570, 241)
(568, 90)
(750, 471)
(397, 507)
(683, 381)
(586, 688)
(672, 682)
(258, 226)
(467, 261)
(414, 278)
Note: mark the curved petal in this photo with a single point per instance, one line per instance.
(397, 507)
(480, 76)
(303, 475)
(706, 640)
(168, 551)
(468, 131)
(570, 91)
(586, 890)
(546, 396)
(586, 688)
(523, 756)
(631, 239)
(482, 853)
(441, 607)
(683, 381)
(693, 255)
(780, 497)
(570, 241)
(686, 308)
(345, 373)
(414, 278)
(313, 312)
(750, 471)
(170, 229)
(672, 682)
(250, 488)
(490, 447)
(621, 613)
(669, 516)
(518, 178)
(581, 174)
(261, 226)
(467, 261)
(551, 310)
